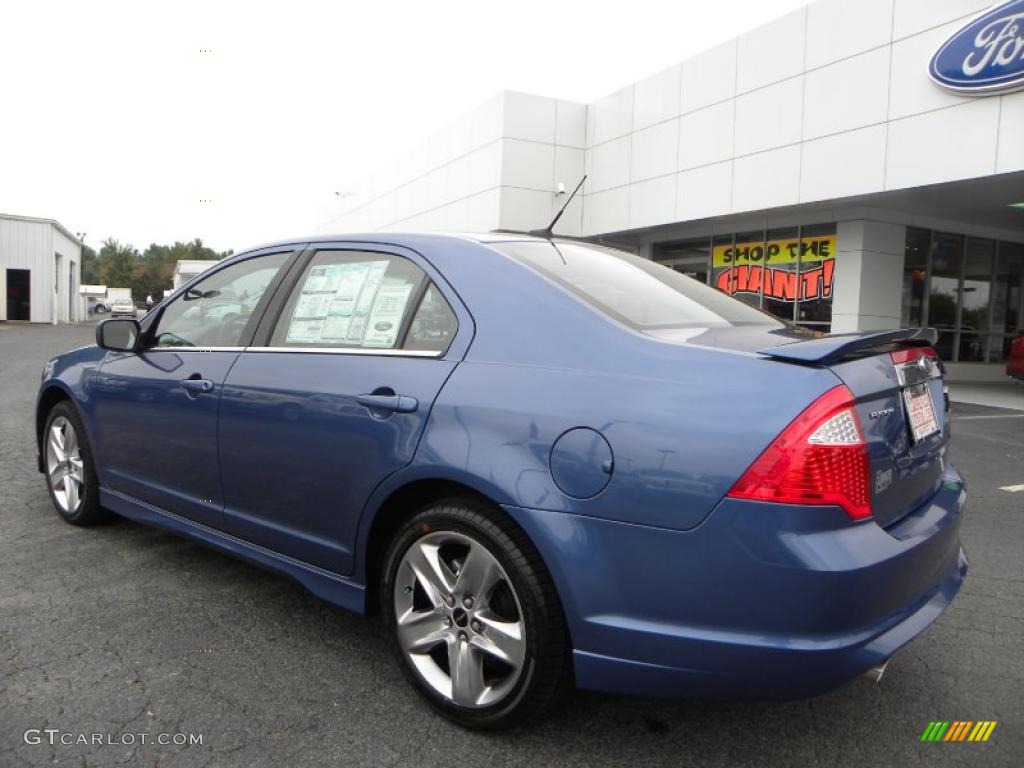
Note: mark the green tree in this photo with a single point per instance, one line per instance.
(117, 264)
(151, 272)
(90, 266)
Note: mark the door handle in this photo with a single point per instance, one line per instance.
(197, 386)
(393, 403)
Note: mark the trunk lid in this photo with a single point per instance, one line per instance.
(894, 381)
(905, 472)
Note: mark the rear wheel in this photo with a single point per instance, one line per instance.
(475, 618)
(70, 473)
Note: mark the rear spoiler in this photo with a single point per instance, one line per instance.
(850, 346)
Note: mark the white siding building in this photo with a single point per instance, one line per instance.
(810, 166)
(40, 271)
(186, 269)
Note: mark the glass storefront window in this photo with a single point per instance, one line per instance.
(970, 289)
(1007, 299)
(690, 257)
(817, 270)
(722, 273)
(915, 268)
(781, 272)
(787, 272)
(975, 295)
(943, 295)
(746, 262)
(977, 285)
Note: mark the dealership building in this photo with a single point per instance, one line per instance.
(819, 167)
(40, 271)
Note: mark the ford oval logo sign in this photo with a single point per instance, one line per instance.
(986, 56)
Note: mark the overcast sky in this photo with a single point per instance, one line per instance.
(116, 124)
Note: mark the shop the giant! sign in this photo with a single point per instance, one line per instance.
(986, 56)
(773, 266)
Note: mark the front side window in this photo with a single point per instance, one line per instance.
(637, 292)
(216, 311)
(356, 299)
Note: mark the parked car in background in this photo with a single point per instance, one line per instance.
(544, 462)
(1015, 361)
(122, 308)
(99, 307)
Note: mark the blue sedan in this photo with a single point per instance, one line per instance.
(546, 463)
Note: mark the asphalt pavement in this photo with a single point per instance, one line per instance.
(128, 633)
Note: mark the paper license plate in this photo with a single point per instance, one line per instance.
(920, 411)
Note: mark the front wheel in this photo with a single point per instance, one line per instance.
(70, 473)
(475, 617)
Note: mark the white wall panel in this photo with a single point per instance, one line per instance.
(850, 163)
(767, 179)
(486, 121)
(704, 191)
(456, 178)
(485, 211)
(1010, 155)
(772, 52)
(911, 91)
(652, 202)
(657, 98)
(848, 94)
(524, 209)
(610, 117)
(569, 168)
(485, 167)
(837, 29)
(653, 151)
(921, 151)
(571, 124)
(606, 211)
(608, 165)
(706, 136)
(456, 216)
(913, 16)
(708, 77)
(529, 117)
(769, 117)
(527, 164)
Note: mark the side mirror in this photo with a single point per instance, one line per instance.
(118, 334)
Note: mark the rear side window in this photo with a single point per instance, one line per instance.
(635, 291)
(433, 326)
(355, 299)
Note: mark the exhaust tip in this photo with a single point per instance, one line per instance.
(875, 673)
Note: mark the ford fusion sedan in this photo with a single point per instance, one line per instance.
(545, 463)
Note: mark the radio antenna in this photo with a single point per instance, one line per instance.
(548, 230)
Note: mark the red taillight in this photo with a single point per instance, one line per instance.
(912, 353)
(820, 458)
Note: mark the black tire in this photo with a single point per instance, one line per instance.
(546, 673)
(88, 510)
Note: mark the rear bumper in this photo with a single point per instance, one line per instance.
(760, 601)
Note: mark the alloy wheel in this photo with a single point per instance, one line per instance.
(64, 468)
(458, 619)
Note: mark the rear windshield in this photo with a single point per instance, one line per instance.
(635, 291)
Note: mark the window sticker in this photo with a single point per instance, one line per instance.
(332, 300)
(386, 315)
